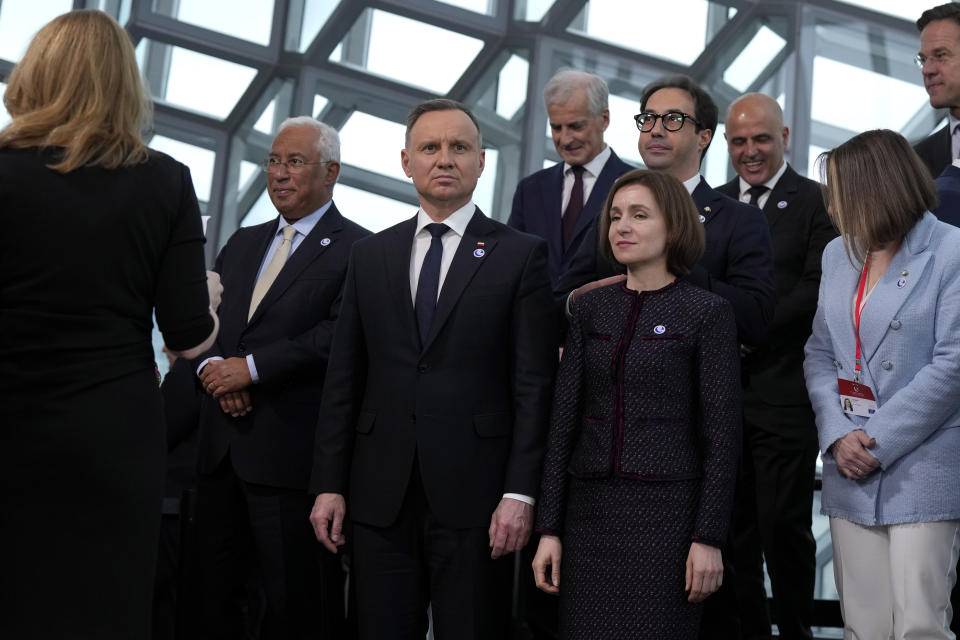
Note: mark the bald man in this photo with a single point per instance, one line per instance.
(772, 514)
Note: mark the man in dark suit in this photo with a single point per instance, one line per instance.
(282, 281)
(737, 263)
(948, 188)
(560, 203)
(939, 60)
(774, 504)
(434, 412)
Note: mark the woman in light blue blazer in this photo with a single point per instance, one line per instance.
(889, 423)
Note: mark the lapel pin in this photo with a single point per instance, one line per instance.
(703, 218)
(479, 252)
(901, 283)
(904, 273)
(782, 204)
(659, 329)
(707, 209)
(325, 242)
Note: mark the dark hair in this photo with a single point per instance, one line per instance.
(440, 104)
(878, 188)
(686, 239)
(948, 11)
(704, 108)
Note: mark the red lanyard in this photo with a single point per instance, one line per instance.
(856, 312)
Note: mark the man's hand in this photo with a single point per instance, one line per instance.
(704, 571)
(236, 403)
(327, 516)
(853, 459)
(510, 527)
(590, 286)
(223, 376)
(548, 555)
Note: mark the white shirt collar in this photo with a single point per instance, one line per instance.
(769, 184)
(595, 166)
(691, 183)
(457, 221)
(305, 224)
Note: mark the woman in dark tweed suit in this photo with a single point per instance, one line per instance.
(639, 474)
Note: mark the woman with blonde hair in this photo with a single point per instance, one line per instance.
(641, 461)
(98, 232)
(883, 376)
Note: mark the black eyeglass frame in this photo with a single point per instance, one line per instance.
(675, 116)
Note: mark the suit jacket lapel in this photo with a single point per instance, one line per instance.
(551, 194)
(706, 200)
(464, 266)
(317, 241)
(784, 191)
(247, 278)
(599, 193)
(397, 254)
(888, 296)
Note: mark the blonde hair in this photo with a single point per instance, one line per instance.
(78, 87)
(877, 190)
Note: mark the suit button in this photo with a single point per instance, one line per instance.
(895, 324)
(886, 364)
(242, 346)
(422, 368)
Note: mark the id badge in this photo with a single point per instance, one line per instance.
(856, 398)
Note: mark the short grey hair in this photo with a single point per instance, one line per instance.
(561, 87)
(328, 142)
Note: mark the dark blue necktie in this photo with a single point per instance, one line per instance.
(429, 283)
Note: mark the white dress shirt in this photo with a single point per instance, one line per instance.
(303, 226)
(769, 184)
(457, 221)
(591, 171)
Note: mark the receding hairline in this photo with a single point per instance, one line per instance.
(452, 107)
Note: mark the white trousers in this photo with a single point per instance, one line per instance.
(894, 581)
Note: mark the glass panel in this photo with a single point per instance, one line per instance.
(617, 22)
(477, 6)
(513, 76)
(908, 10)
(373, 143)
(199, 160)
(21, 19)
(370, 210)
(248, 170)
(4, 116)
(622, 133)
(532, 10)
(754, 58)
(484, 194)
(717, 160)
(245, 19)
(813, 172)
(319, 104)
(261, 211)
(264, 123)
(417, 62)
(194, 80)
(837, 86)
(315, 15)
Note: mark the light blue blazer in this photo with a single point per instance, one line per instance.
(910, 335)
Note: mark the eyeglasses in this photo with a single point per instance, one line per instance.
(293, 165)
(672, 120)
(939, 57)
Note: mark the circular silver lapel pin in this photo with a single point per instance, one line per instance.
(901, 283)
(325, 242)
(782, 204)
(659, 329)
(703, 218)
(478, 253)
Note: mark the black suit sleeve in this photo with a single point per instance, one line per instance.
(181, 402)
(516, 212)
(342, 391)
(747, 281)
(534, 365)
(800, 303)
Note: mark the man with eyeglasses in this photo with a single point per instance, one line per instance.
(560, 203)
(263, 378)
(939, 61)
(676, 121)
(774, 504)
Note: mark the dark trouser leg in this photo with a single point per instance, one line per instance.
(783, 450)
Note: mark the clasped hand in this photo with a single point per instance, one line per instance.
(853, 459)
(227, 381)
